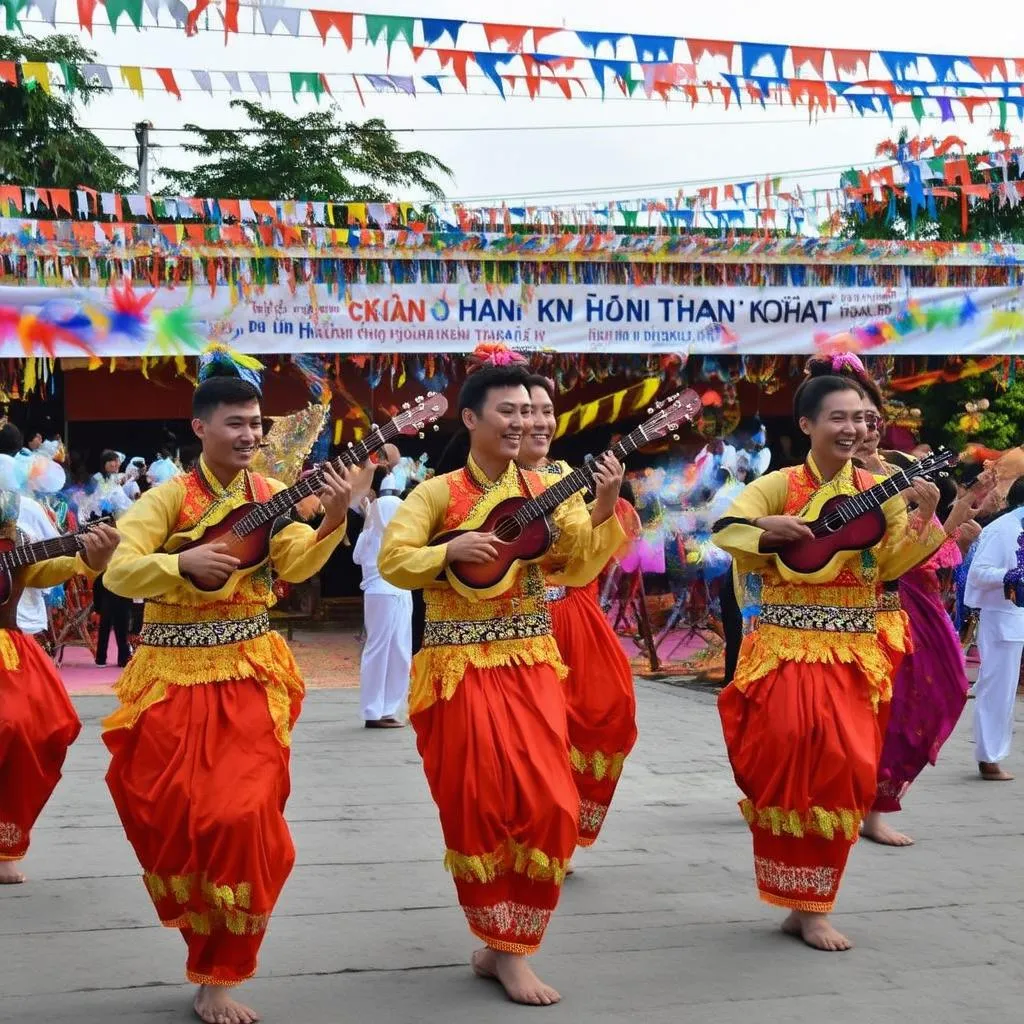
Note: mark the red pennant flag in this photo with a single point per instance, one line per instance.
(83, 231)
(8, 72)
(511, 35)
(11, 194)
(230, 16)
(326, 20)
(166, 75)
(851, 60)
(60, 199)
(948, 143)
(714, 47)
(540, 34)
(85, 13)
(813, 55)
(230, 208)
(985, 66)
(191, 25)
(170, 232)
(565, 84)
(971, 103)
(263, 207)
(956, 171)
(457, 59)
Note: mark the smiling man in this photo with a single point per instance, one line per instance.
(486, 699)
(200, 744)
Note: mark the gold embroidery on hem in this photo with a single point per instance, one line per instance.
(810, 906)
(11, 835)
(9, 657)
(511, 856)
(194, 978)
(495, 922)
(778, 878)
(228, 906)
(816, 821)
(591, 819)
(598, 764)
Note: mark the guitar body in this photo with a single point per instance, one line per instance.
(251, 550)
(524, 544)
(808, 557)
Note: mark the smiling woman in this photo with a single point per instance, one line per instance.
(801, 716)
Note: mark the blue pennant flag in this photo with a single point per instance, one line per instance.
(435, 28)
(944, 65)
(620, 68)
(488, 64)
(899, 63)
(753, 52)
(434, 81)
(654, 48)
(592, 40)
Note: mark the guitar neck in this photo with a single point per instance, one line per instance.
(580, 479)
(41, 551)
(281, 502)
(874, 497)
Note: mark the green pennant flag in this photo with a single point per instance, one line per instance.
(937, 163)
(133, 8)
(630, 83)
(629, 217)
(393, 26)
(70, 73)
(13, 8)
(306, 81)
(1002, 115)
(917, 108)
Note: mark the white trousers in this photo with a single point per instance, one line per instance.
(387, 654)
(995, 692)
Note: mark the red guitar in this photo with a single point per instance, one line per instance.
(856, 522)
(246, 530)
(520, 524)
(17, 556)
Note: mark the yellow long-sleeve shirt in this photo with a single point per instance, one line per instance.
(513, 628)
(830, 615)
(191, 636)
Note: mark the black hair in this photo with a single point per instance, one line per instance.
(475, 387)
(1015, 495)
(814, 390)
(108, 455)
(222, 390)
(627, 493)
(11, 440)
(379, 475)
(538, 380)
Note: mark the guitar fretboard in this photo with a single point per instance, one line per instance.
(40, 551)
(865, 501)
(578, 480)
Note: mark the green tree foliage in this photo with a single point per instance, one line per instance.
(41, 141)
(987, 220)
(943, 407)
(314, 157)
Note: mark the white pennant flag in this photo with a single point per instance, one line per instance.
(233, 84)
(261, 81)
(286, 16)
(203, 81)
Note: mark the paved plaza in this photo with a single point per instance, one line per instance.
(660, 923)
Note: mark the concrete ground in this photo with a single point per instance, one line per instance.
(660, 923)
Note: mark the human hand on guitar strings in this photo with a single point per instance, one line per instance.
(779, 530)
(99, 543)
(335, 494)
(209, 565)
(606, 471)
(476, 548)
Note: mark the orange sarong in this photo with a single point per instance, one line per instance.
(495, 759)
(804, 743)
(38, 724)
(601, 702)
(200, 782)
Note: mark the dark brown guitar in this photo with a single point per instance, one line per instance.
(17, 556)
(521, 525)
(246, 531)
(854, 523)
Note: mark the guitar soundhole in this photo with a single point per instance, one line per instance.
(508, 530)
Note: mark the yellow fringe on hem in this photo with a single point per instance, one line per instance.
(808, 906)
(500, 946)
(154, 670)
(765, 649)
(9, 657)
(512, 856)
(438, 670)
(816, 821)
(237, 922)
(208, 979)
(598, 764)
(894, 631)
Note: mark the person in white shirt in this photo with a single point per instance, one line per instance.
(387, 614)
(1000, 637)
(35, 525)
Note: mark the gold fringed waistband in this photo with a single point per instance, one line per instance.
(212, 633)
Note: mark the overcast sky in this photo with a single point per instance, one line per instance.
(550, 150)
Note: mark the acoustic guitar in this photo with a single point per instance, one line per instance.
(847, 523)
(520, 525)
(15, 556)
(246, 531)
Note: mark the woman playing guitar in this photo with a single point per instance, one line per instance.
(599, 690)
(800, 717)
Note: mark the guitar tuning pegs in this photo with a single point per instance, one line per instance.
(405, 405)
(650, 411)
(436, 428)
(350, 445)
(675, 437)
(431, 394)
(420, 435)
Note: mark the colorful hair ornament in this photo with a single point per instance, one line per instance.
(494, 355)
(847, 361)
(220, 361)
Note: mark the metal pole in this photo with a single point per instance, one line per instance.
(142, 130)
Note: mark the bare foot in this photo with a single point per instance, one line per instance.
(991, 772)
(9, 874)
(516, 976)
(214, 1006)
(816, 931)
(569, 869)
(875, 829)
